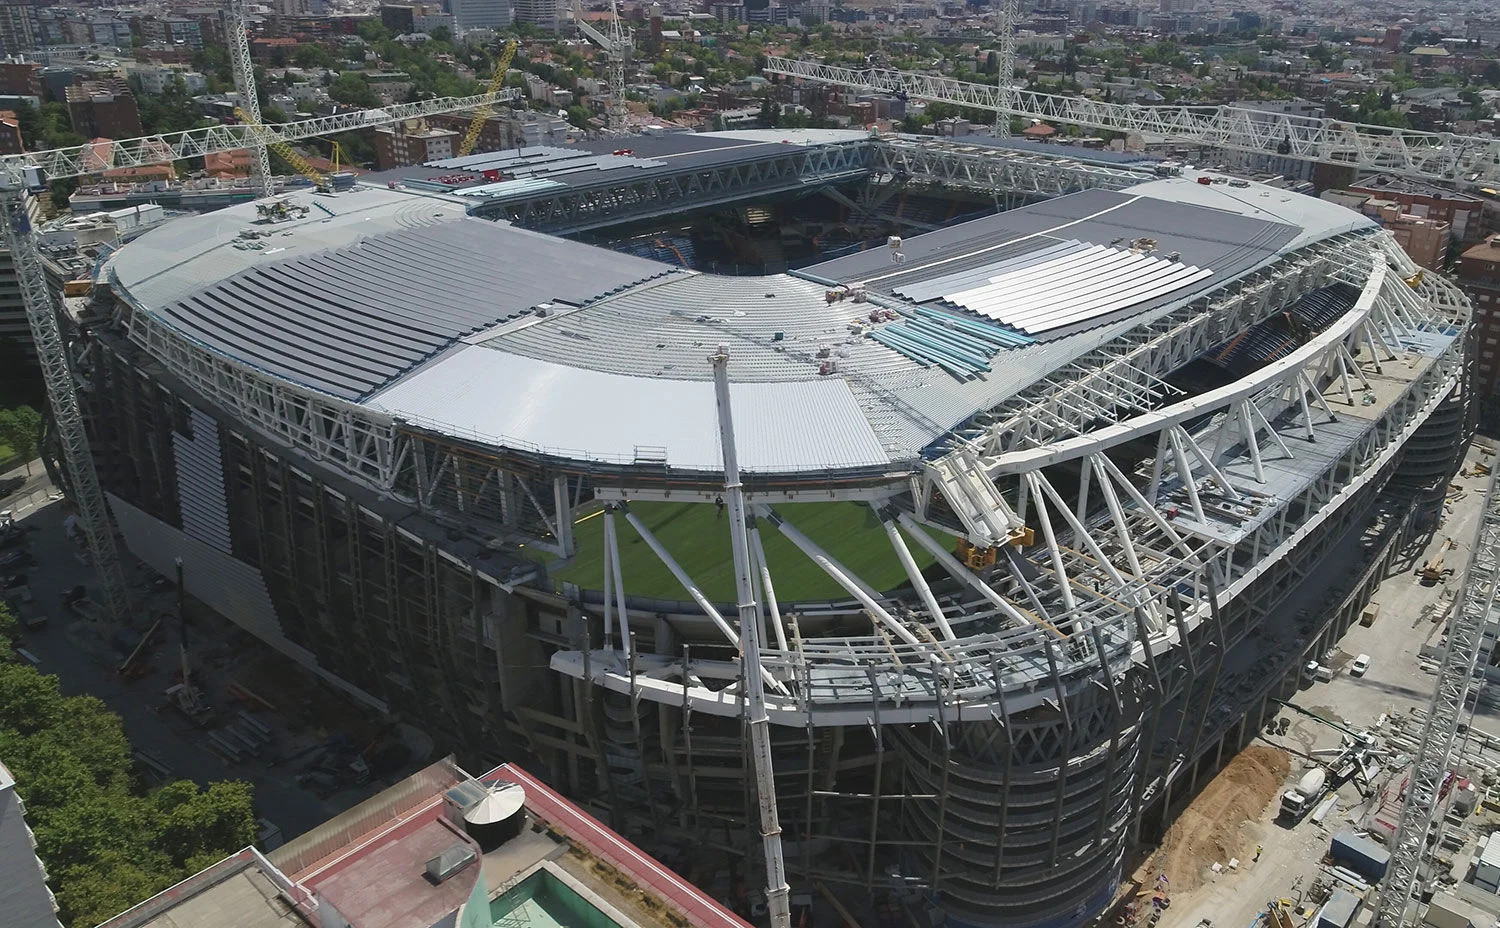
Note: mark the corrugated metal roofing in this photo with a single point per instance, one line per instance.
(346, 321)
(525, 403)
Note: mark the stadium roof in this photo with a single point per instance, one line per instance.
(400, 301)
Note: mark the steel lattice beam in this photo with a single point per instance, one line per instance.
(93, 158)
(998, 170)
(1442, 156)
(1476, 608)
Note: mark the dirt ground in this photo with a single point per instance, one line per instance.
(1211, 829)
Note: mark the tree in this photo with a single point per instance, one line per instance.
(353, 88)
(312, 56)
(108, 844)
(21, 429)
(770, 112)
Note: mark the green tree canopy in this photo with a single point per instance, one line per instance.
(107, 844)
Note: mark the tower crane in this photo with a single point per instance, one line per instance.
(287, 153)
(1472, 612)
(23, 174)
(497, 80)
(616, 47)
(242, 66)
(1432, 156)
(1006, 14)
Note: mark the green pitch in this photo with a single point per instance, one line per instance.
(697, 535)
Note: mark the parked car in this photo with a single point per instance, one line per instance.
(1360, 665)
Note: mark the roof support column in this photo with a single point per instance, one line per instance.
(612, 566)
(918, 582)
(681, 575)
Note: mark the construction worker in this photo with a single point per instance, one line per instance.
(1258, 849)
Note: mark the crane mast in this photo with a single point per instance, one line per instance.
(1473, 610)
(41, 315)
(616, 47)
(243, 68)
(778, 894)
(497, 80)
(1006, 13)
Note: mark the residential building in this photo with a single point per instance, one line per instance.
(10, 134)
(1479, 275)
(173, 30)
(154, 80)
(18, 28)
(413, 142)
(440, 848)
(481, 14)
(1461, 211)
(104, 109)
(400, 19)
(25, 900)
(509, 129)
(20, 78)
(1425, 241)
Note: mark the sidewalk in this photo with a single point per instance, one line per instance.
(36, 490)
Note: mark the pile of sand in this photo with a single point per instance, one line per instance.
(1211, 829)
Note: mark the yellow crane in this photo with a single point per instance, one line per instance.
(497, 80)
(288, 154)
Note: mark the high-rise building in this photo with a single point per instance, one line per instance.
(25, 900)
(18, 28)
(482, 14)
(1479, 275)
(543, 14)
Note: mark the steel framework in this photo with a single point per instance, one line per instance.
(579, 209)
(993, 170)
(243, 68)
(1441, 156)
(1420, 813)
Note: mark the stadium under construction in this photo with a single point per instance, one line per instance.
(1045, 506)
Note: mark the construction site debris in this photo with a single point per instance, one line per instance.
(1210, 831)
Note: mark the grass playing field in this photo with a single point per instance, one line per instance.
(697, 535)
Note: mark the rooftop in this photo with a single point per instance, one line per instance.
(368, 867)
(400, 301)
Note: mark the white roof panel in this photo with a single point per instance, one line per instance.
(530, 404)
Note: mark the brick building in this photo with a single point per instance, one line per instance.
(20, 79)
(10, 134)
(413, 142)
(1462, 212)
(1479, 275)
(104, 108)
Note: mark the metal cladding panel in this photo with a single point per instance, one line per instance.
(1224, 242)
(226, 584)
(200, 482)
(348, 320)
(524, 403)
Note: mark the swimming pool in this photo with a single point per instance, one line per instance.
(544, 901)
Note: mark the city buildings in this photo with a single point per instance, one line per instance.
(25, 899)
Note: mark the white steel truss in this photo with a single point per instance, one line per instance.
(83, 160)
(242, 66)
(1420, 813)
(957, 166)
(1442, 156)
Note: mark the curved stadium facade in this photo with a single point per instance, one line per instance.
(1035, 501)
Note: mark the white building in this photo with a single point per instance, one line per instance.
(25, 900)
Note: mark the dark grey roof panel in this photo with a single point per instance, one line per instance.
(348, 320)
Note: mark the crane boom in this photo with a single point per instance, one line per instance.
(288, 154)
(82, 160)
(476, 125)
(1437, 156)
